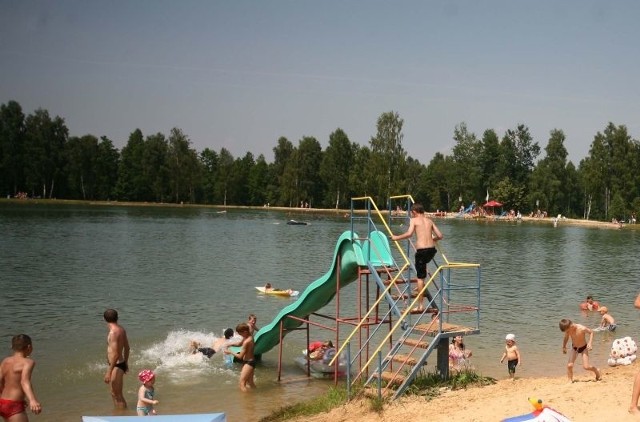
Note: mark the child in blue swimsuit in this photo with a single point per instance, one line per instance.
(146, 393)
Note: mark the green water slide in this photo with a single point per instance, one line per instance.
(353, 254)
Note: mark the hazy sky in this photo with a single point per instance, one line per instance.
(240, 74)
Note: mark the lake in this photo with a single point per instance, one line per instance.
(176, 274)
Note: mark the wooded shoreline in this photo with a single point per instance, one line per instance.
(312, 211)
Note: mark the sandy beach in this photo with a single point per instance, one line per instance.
(585, 400)
(550, 220)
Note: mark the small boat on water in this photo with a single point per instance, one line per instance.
(278, 292)
(297, 223)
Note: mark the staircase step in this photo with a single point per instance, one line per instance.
(403, 296)
(372, 392)
(388, 377)
(398, 281)
(416, 343)
(379, 270)
(428, 311)
(404, 359)
(432, 329)
(405, 280)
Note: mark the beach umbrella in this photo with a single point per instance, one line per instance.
(492, 203)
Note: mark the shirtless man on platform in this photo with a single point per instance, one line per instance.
(427, 233)
(117, 357)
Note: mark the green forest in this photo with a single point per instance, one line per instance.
(40, 159)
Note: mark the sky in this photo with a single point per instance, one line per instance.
(240, 74)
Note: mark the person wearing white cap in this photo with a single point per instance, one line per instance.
(512, 354)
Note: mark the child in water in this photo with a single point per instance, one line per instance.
(607, 322)
(317, 349)
(218, 344)
(146, 393)
(245, 355)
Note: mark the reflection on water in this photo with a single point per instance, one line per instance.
(179, 274)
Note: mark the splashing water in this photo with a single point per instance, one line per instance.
(175, 361)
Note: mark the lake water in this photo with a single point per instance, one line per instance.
(176, 274)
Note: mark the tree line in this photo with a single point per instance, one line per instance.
(39, 157)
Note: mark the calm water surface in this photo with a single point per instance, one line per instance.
(180, 274)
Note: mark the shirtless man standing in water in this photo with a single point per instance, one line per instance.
(117, 357)
(427, 234)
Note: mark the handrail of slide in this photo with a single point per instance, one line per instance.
(317, 294)
(384, 223)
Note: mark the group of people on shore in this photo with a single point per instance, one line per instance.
(581, 343)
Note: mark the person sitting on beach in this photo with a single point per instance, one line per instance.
(607, 322)
(458, 355)
(217, 345)
(589, 304)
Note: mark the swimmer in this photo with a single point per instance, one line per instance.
(217, 345)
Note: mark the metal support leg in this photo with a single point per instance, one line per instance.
(443, 358)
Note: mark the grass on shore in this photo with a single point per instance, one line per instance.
(428, 385)
(335, 397)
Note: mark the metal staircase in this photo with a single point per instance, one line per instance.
(400, 353)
